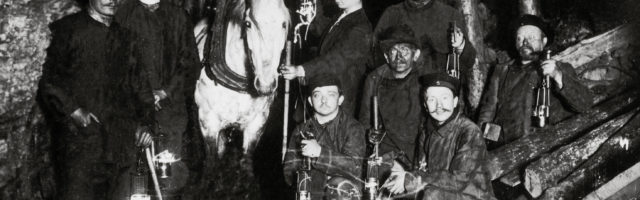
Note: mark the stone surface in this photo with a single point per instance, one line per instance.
(24, 155)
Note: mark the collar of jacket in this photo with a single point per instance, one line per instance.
(446, 127)
(411, 7)
(351, 18)
(330, 125)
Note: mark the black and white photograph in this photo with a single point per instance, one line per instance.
(319, 100)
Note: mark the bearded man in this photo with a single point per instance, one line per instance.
(509, 100)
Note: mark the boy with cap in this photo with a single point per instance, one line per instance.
(509, 100)
(452, 151)
(395, 85)
(333, 140)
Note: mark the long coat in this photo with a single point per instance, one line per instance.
(345, 51)
(510, 98)
(73, 77)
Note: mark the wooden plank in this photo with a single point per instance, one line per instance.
(616, 184)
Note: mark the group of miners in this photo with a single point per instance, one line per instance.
(432, 149)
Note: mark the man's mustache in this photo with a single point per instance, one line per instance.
(441, 110)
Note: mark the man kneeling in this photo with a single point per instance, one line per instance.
(332, 142)
(452, 151)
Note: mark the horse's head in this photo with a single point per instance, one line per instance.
(265, 28)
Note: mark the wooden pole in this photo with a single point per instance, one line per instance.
(287, 88)
(529, 7)
(517, 153)
(618, 154)
(154, 176)
(548, 170)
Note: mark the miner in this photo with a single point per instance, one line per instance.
(333, 141)
(396, 87)
(72, 93)
(509, 101)
(452, 153)
(159, 61)
(440, 31)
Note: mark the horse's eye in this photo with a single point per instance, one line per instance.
(247, 24)
(284, 25)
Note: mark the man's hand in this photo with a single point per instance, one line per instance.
(395, 183)
(457, 39)
(159, 95)
(550, 68)
(143, 137)
(311, 148)
(83, 118)
(290, 72)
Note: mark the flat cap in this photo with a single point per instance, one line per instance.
(324, 79)
(440, 80)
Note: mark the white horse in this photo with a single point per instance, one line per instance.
(237, 85)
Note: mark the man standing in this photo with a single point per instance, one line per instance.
(509, 100)
(334, 141)
(452, 152)
(397, 89)
(431, 22)
(72, 93)
(159, 56)
(344, 51)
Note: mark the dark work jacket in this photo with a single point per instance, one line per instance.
(430, 25)
(509, 100)
(73, 75)
(453, 161)
(345, 52)
(401, 110)
(343, 149)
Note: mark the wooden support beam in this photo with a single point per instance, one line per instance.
(592, 48)
(617, 154)
(616, 184)
(549, 169)
(521, 151)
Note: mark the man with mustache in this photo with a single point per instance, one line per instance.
(395, 84)
(509, 100)
(333, 140)
(432, 22)
(452, 153)
(72, 94)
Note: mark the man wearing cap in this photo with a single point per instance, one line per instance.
(395, 85)
(452, 151)
(333, 140)
(431, 21)
(510, 97)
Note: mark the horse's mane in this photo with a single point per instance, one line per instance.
(236, 11)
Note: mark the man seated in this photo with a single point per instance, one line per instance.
(510, 97)
(452, 151)
(396, 87)
(333, 140)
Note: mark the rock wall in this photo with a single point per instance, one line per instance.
(25, 171)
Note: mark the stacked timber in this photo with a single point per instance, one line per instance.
(617, 154)
(518, 153)
(548, 170)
